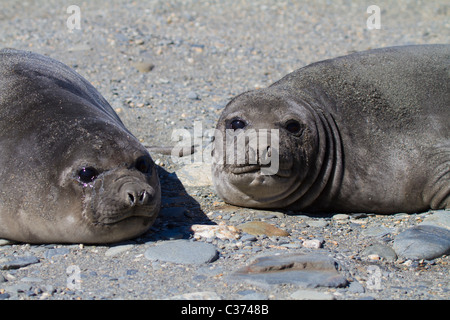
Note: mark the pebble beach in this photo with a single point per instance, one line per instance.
(174, 65)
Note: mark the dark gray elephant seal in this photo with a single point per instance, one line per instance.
(69, 169)
(366, 132)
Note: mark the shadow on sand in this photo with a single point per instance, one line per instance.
(179, 211)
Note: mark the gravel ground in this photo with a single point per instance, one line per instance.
(164, 65)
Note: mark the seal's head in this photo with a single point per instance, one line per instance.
(70, 171)
(90, 181)
(114, 187)
(265, 150)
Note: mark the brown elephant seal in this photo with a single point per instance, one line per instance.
(70, 171)
(366, 132)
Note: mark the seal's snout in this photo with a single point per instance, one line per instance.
(136, 194)
(138, 198)
(122, 194)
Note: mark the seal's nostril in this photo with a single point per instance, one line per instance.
(132, 199)
(143, 197)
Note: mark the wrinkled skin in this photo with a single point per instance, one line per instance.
(367, 132)
(70, 172)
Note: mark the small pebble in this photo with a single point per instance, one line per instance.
(115, 250)
(5, 242)
(373, 257)
(380, 250)
(341, 217)
(193, 96)
(317, 223)
(144, 66)
(248, 237)
(313, 244)
(262, 228)
(376, 232)
(221, 231)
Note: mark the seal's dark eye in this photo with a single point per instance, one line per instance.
(143, 164)
(237, 124)
(87, 174)
(293, 126)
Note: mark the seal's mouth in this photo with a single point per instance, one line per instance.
(114, 217)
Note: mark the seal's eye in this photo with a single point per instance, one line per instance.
(143, 164)
(293, 126)
(237, 124)
(87, 174)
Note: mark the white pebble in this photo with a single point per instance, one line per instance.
(312, 244)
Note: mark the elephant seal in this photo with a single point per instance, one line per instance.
(70, 172)
(366, 132)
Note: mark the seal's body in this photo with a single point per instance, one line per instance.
(367, 132)
(69, 169)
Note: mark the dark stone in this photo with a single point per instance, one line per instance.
(305, 270)
(423, 242)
